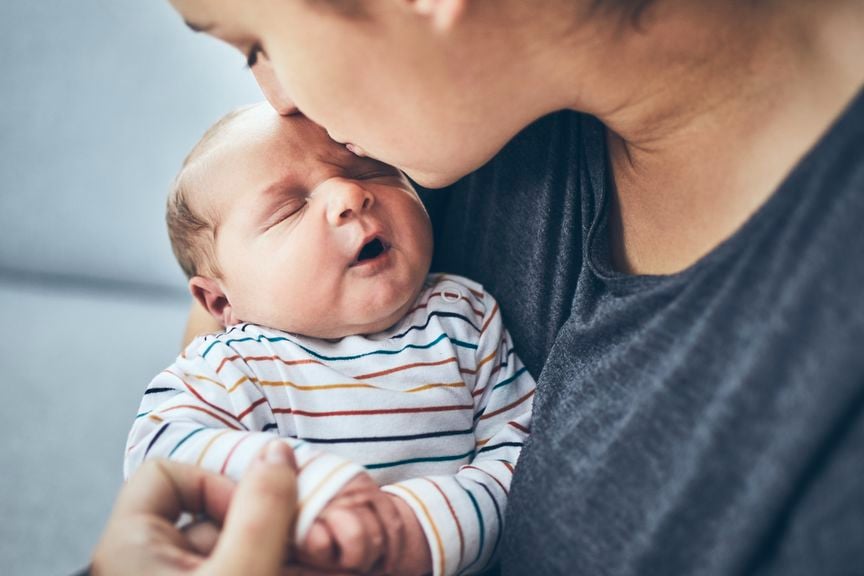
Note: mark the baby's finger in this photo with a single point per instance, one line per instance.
(319, 549)
(394, 534)
(359, 536)
(202, 536)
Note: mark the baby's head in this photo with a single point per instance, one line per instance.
(276, 224)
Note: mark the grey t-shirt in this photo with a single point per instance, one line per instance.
(707, 422)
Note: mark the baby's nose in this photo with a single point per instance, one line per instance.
(347, 199)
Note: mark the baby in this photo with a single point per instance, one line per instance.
(399, 392)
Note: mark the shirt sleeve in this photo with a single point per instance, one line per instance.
(462, 514)
(217, 417)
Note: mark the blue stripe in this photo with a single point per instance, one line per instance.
(159, 390)
(511, 379)
(359, 440)
(429, 317)
(184, 440)
(498, 514)
(418, 460)
(480, 521)
(156, 437)
(142, 414)
(497, 446)
(272, 339)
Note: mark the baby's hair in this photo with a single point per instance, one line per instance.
(192, 233)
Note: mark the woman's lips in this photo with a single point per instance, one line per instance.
(356, 150)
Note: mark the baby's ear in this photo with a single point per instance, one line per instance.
(212, 297)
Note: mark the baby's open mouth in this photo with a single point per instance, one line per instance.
(371, 250)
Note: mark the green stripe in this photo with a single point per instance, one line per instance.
(417, 460)
(184, 440)
(479, 521)
(272, 339)
(511, 379)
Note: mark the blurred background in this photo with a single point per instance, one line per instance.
(99, 102)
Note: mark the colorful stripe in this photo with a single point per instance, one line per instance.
(427, 459)
(378, 412)
(404, 438)
(438, 541)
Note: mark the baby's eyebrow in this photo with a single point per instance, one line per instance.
(273, 195)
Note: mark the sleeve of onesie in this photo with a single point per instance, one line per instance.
(462, 514)
(213, 414)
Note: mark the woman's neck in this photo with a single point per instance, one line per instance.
(709, 108)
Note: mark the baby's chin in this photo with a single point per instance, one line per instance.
(336, 330)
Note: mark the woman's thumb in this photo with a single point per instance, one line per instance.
(260, 518)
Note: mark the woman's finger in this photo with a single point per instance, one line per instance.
(260, 520)
(166, 489)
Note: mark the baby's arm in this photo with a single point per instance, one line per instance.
(196, 412)
(367, 531)
(462, 515)
(451, 523)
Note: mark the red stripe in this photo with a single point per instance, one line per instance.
(231, 453)
(254, 405)
(404, 367)
(519, 427)
(488, 320)
(455, 519)
(508, 407)
(488, 474)
(201, 398)
(191, 407)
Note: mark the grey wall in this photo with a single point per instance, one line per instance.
(99, 102)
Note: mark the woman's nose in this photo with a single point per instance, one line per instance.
(272, 88)
(346, 199)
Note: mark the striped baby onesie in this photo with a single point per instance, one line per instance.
(435, 408)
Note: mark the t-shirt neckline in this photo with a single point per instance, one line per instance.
(597, 249)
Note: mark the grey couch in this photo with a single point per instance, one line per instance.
(99, 102)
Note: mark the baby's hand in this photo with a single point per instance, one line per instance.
(367, 531)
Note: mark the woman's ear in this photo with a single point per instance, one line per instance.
(212, 298)
(444, 13)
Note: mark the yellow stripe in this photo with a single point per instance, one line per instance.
(239, 382)
(313, 387)
(487, 359)
(320, 485)
(438, 385)
(431, 523)
(155, 418)
(208, 445)
(206, 379)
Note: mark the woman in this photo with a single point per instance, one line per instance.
(677, 251)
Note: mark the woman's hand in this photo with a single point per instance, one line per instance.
(142, 537)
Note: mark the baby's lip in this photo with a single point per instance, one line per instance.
(374, 244)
